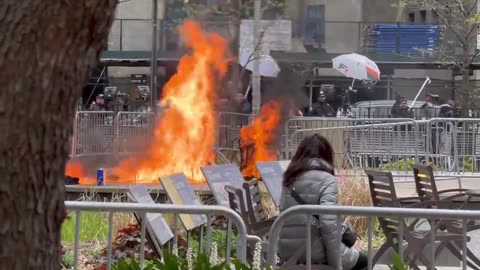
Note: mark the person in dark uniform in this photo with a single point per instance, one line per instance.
(321, 108)
(401, 110)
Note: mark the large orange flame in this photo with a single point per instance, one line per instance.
(76, 169)
(184, 136)
(259, 136)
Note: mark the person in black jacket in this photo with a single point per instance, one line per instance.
(401, 110)
(321, 108)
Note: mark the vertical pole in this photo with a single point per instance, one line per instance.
(389, 87)
(256, 79)
(153, 73)
(397, 39)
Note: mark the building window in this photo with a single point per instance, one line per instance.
(411, 17)
(423, 16)
(314, 28)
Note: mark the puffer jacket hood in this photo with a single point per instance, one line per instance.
(316, 187)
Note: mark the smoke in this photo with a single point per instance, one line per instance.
(287, 86)
(288, 89)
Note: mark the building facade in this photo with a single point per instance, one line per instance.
(320, 27)
(339, 24)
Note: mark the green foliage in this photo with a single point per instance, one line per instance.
(468, 165)
(68, 259)
(93, 227)
(378, 235)
(401, 165)
(239, 265)
(398, 263)
(474, 19)
(219, 237)
(172, 262)
(134, 265)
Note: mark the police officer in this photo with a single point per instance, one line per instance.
(321, 108)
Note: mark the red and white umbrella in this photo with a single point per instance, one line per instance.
(356, 66)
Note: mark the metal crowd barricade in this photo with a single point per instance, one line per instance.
(361, 143)
(133, 130)
(454, 144)
(93, 133)
(370, 212)
(143, 209)
(228, 129)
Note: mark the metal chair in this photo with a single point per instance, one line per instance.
(427, 188)
(255, 209)
(237, 203)
(428, 193)
(383, 193)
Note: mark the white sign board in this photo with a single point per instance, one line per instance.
(277, 35)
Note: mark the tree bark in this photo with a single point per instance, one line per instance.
(47, 50)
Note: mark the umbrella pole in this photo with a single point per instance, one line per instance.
(427, 81)
(353, 82)
(248, 90)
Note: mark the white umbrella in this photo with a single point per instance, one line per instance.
(268, 65)
(356, 66)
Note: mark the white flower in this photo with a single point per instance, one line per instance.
(189, 258)
(175, 250)
(214, 254)
(257, 257)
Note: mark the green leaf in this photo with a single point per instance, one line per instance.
(202, 262)
(171, 261)
(239, 265)
(219, 267)
(135, 265)
(398, 263)
(160, 265)
(121, 265)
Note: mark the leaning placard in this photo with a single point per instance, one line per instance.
(156, 224)
(218, 177)
(272, 176)
(179, 191)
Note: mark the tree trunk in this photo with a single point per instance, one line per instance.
(47, 50)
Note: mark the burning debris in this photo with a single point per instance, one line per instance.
(75, 174)
(257, 140)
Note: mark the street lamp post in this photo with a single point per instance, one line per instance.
(154, 68)
(256, 78)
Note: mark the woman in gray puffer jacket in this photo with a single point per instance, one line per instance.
(311, 177)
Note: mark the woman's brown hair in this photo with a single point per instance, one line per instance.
(315, 147)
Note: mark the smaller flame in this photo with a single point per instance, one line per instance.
(76, 169)
(258, 138)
